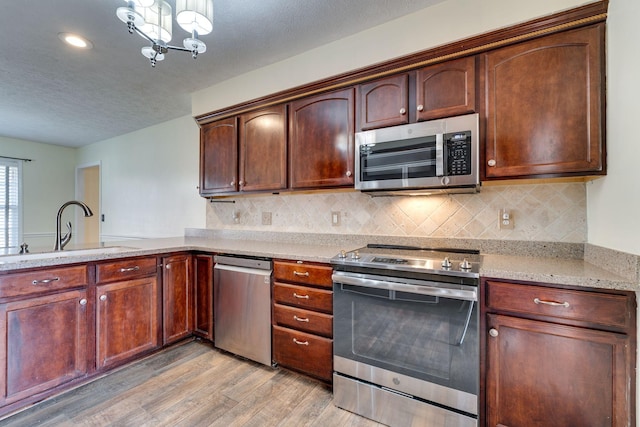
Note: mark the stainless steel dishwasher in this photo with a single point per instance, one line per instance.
(242, 306)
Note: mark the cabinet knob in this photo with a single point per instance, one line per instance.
(103, 297)
(493, 332)
(348, 173)
(403, 111)
(420, 107)
(240, 183)
(83, 301)
(491, 162)
(168, 266)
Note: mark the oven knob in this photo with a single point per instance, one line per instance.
(355, 255)
(446, 264)
(342, 254)
(465, 265)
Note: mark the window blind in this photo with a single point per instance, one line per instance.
(10, 201)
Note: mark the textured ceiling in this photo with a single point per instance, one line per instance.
(52, 93)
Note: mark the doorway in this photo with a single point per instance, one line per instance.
(88, 191)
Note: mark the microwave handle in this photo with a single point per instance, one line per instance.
(439, 154)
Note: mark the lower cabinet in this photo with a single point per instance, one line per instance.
(127, 311)
(177, 297)
(303, 318)
(203, 296)
(43, 341)
(558, 357)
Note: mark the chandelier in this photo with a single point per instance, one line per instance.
(152, 20)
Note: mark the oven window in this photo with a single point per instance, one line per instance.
(432, 338)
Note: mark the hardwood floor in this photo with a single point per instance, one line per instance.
(193, 385)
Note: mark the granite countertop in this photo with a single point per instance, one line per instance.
(556, 270)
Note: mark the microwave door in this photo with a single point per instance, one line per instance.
(439, 154)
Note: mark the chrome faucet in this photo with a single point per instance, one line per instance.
(61, 241)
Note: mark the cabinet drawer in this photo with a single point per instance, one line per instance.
(309, 274)
(307, 353)
(125, 269)
(593, 307)
(303, 297)
(303, 320)
(50, 279)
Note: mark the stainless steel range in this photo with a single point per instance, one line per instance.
(406, 335)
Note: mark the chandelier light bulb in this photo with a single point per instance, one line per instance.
(157, 21)
(195, 15)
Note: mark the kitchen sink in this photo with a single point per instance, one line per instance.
(5, 259)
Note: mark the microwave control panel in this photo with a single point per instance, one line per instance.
(458, 153)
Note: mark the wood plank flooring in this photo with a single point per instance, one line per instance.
(193, 385)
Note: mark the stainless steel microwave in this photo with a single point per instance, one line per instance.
(433, 156)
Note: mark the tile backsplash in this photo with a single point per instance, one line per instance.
(541, 212)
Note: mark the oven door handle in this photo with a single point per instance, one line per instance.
(375, 282)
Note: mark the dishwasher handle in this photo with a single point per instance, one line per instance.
(252, 263)
(244, 270)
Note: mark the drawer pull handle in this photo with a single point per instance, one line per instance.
(300, 319)
(552, 303)
(300, 342)
(297, 273)
(45, 281)
(301, 296)
(130, 269)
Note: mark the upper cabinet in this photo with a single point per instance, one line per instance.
(544, 106)
(218, 157)
(321, 144)
(244, 153)
(446, 89)
(433, 92)
(263, 149)
(384, 102)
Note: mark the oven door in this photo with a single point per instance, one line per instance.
(413, 336)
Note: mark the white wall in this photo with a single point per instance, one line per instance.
(614, 201)
(149, 179)
(48, 182)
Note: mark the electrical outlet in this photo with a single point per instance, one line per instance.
(335, 218)
(505, 219)
(266, 218)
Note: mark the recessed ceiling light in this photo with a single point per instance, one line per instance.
(75, 40)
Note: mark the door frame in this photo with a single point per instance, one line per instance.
(79, 192)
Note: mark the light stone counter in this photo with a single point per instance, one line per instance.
(524, 266)
(562, 271)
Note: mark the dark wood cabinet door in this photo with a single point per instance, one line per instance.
(384, 102)
(546, 374)
(263, 149)
(544, 106)
(219, 157)
(203, 296)
(126, 320)
(321, 138)
(446, 89)
(43, 343)
(177, 296)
